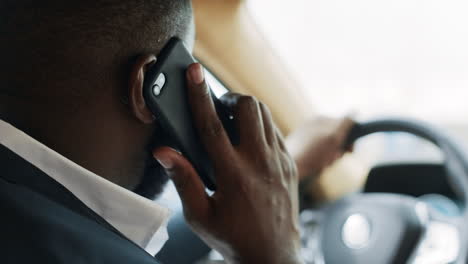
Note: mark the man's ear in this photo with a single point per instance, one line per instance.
(136, 101)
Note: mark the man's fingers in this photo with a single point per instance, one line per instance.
(250, 122)
(280, 139)
(345, 126)
(268, 124)
(187, 182)
(270, 130)
(343, 131)
(210, 128)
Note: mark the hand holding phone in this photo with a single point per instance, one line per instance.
(165, 93)
(252, 216)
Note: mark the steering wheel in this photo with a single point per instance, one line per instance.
(394, 228)
(373, 228)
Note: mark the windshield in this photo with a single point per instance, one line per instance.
(374, 57)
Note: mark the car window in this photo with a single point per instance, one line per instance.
(376, 58)
(373, 56)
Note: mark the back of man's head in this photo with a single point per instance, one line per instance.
(66, 65)
(53, 42)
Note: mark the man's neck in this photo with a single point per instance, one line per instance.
(83, 142)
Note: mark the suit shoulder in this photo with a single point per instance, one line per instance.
(37, 229)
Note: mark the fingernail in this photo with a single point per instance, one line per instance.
(197, 74)
(165, 162)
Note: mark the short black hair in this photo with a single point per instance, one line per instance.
(38, 38)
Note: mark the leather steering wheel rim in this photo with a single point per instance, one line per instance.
(455, 164)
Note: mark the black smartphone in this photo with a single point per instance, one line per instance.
(165, 93)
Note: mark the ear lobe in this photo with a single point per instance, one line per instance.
(136, 101)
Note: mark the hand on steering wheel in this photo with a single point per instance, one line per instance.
(395, 228)
(318, 143)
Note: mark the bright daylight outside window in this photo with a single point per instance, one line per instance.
(376, 58)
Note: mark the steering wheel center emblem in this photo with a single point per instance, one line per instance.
(356, 232)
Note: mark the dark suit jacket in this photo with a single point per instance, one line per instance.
(42, 222)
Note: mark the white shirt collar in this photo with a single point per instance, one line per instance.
(142, 221)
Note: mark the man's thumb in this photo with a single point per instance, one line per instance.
(186, 180)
